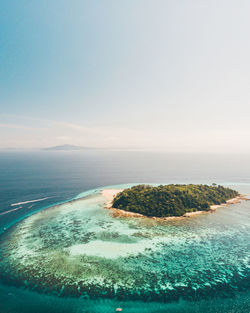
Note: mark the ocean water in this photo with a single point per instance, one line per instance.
(62, 252)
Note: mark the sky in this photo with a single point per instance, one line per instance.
(155, 74)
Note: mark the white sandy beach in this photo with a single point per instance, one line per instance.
(109, 194)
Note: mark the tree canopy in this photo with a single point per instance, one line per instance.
(171, 200)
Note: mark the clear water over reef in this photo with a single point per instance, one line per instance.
(75, 257)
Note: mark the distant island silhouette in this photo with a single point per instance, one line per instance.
(67, 147)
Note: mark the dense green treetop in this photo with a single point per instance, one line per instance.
(171, 200)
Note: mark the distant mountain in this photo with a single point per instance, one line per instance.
(67, 148)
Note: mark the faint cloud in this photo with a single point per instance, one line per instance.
(64, 138)
(14, 126)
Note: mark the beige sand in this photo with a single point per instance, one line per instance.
(109, 194)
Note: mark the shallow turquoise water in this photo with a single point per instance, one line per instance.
(77, 249)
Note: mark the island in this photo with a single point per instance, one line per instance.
(166, 201)
(67, 147)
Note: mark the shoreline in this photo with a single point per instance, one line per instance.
(109, 194)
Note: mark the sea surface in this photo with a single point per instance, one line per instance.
(61, 251)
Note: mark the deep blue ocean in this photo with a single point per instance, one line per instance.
(33, 180)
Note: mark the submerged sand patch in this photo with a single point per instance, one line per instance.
(110, 250)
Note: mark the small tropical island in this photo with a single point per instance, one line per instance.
(173, 200)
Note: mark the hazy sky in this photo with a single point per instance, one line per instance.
(138, 73)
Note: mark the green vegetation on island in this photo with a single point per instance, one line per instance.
(171, 200)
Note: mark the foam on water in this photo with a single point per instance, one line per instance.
(29, 201)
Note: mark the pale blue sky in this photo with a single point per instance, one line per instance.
(138, 73)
